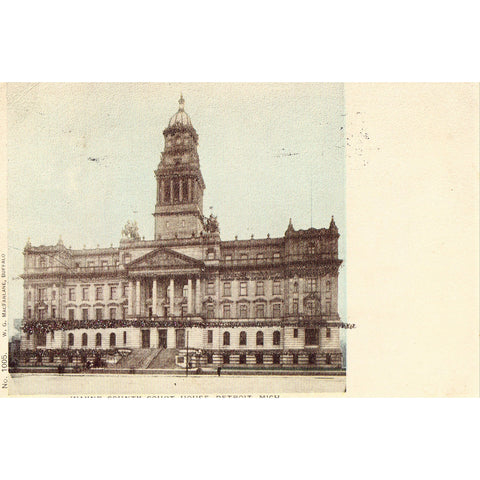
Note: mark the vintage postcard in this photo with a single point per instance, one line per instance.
(218, 239)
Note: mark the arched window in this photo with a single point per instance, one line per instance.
(113, 339)
(71, 339)
(84, 340)
(259, 338)
(226, 338)
(276, 337)
(295, 287)
(243, 338)
(98, 340)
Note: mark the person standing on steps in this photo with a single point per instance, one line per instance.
(219, 370)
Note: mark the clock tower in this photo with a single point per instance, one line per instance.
(180, 185)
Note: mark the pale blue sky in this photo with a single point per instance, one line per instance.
(244, 131)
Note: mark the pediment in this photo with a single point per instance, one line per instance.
(164, 258)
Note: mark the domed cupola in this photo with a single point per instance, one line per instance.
(180, 127)
(181, 117)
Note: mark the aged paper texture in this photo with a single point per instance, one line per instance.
(306, 239)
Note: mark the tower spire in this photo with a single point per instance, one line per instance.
(181, 103)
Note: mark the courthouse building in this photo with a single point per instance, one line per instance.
(185, 297)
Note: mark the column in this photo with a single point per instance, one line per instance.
(162, 191)
(172, 296)
(198, 298)
(154, 297)
(190, 297)
(180, 188)
(137, 299)
(171, 190)
(190, 189)
(130, 297)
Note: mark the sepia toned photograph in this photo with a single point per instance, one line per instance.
(177, 238)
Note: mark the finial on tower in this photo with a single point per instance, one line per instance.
(333, 227)
(181, 102)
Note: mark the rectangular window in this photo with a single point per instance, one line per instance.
(295, 333)
(276, 310)
(71, 294)
(311, 336)
(244, 257)
(310, 285)
(260, 289)
(276, 287)
(113, 293)
(328, 286)
(184, 310)
(310, 308)
(260, 257)
(124, 338)
(210, 311)
(227, 289)
(98, 313)
(113, 313)
(243, 289)
(295, 307)
(211, 288)
(29, 313)
(209, 336)
(54, 312)
(228, 258)
(54, 294)
(226, 310)
(104, 263)
(124, 313)
(243, 311)
(328, 334)
(260, 310)
(85, 314)
(328, 308)
(125, 290)
(85, 293)
(276, 256)
(42, 293)
(29, 296)
(99, 293)
(71, 314)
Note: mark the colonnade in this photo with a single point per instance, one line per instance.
(194, 297)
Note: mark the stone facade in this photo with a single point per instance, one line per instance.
(254, 303)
